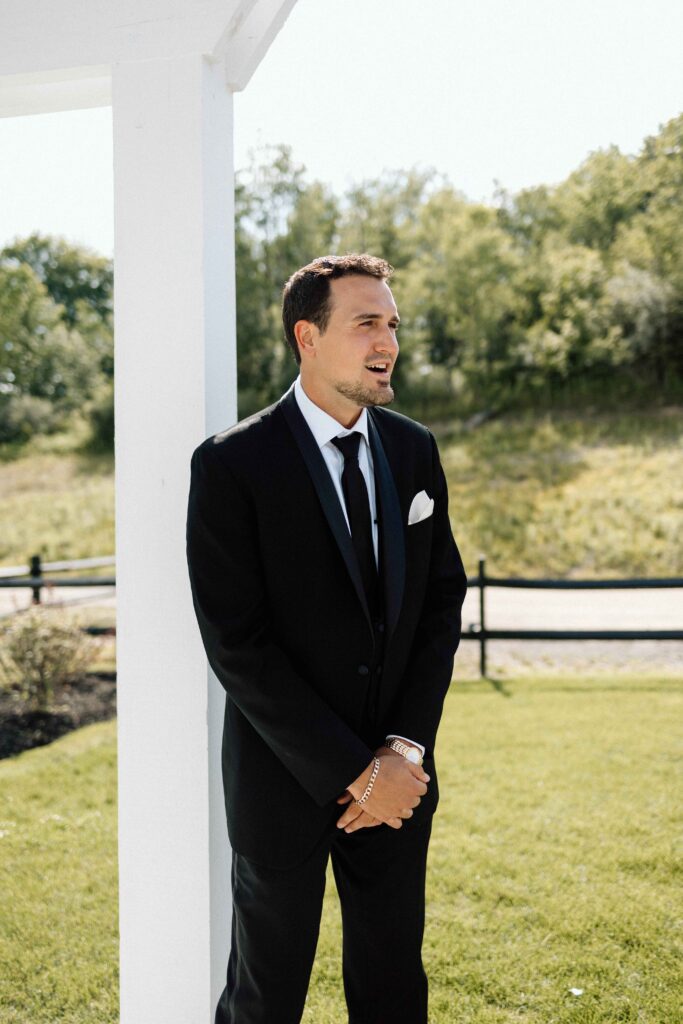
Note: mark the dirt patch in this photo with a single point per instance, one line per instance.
(92, 699)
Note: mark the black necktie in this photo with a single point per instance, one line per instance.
(358, 511)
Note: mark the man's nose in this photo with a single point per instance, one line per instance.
(388, 342)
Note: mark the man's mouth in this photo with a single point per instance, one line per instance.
(380, 367)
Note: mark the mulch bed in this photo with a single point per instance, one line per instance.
(92, 699)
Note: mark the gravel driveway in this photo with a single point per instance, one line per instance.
(508, 608)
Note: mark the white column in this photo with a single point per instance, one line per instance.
(175, 384)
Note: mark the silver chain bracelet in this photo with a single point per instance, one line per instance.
(370, 784)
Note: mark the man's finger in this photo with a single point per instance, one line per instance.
(344, 799)
(349, 815)
(363, 820)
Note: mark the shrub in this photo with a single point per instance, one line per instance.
(100, 412)
(22, 416)
(40, 649)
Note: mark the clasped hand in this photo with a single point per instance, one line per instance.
(396, 792)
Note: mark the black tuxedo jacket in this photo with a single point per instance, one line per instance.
(284, 621)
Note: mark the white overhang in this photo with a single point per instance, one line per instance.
(58, 56)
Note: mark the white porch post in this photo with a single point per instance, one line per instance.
(175, 384)
(168, 67)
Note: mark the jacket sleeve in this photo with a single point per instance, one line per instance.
(418, 707)
(320, 750)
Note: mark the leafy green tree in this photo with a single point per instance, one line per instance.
(79, 281)
(623, 307)
(282, 222)
(529, 216)
(661, 167)
(46, 369)
(574, 333)
(458, 291)
(641, 306)
(71, 273)
(605, 192)
(39, 355)
(381, 215)
(652, 243)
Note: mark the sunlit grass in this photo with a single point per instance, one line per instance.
(555, 859)
(555, 864)
(58, 882)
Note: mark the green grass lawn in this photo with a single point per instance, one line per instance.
(58, 882)
(555, 864)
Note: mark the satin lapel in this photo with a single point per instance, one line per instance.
(392, 537)
(327, 495)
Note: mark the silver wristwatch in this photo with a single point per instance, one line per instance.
(410, 753)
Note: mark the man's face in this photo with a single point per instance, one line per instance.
(350, 365)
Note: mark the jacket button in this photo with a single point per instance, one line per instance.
(363, 670)
(379, 670)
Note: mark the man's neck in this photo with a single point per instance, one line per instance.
(335, 405)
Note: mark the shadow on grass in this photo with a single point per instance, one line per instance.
(509, 687)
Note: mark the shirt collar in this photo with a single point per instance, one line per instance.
(323, 426)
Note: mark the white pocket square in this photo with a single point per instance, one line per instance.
(421, 508)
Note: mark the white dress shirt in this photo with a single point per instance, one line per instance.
(324, 428)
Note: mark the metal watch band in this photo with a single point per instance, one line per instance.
(402, 748)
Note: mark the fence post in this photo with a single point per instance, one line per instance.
(36, 572)
(482, 617)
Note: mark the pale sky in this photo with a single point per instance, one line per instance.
(486, 91)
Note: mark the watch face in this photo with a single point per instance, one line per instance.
(413, 755)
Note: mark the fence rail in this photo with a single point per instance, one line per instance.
(77, 563)
(33, 577)
(480, 632)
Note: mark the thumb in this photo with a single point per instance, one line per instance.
(418, 772)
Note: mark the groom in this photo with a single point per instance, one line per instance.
(328, 589)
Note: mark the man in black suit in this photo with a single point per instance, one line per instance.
(328, 590)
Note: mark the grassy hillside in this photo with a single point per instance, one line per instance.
(55, 501)
(551, 494)
(554, 865)
(555, 495)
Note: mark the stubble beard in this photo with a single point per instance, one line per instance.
(363, 396)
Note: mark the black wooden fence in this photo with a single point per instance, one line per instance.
(481, 633)
(33, 577)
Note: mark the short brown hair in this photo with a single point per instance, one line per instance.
(306, 296)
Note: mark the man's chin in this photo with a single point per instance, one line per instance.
(363, 396)
(383, 397)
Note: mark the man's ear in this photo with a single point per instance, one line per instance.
(305, 334)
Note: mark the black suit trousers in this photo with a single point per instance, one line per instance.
(380, 876)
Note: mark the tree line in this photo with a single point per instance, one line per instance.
(554, 291)
(572, 290)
